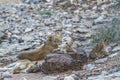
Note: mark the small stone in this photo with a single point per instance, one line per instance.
(115, 49)
(31, 1)
(76, 12)
(100, 61)
(4, 27)
(114, 54)
(1, 34)
(99, 19)
(6, 74)
(99, 2)
(83, 30)
(2, 52)
(76, 19)
(89, 67)
(94, 8)
(85, 6)
(12, 11)
(71, 77)
(1, 23)
(27, 37)
(23, 78)
(49, 23)
(28, 29)
(16, 31)
(49, 78)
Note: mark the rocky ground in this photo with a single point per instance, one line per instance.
(24, 25)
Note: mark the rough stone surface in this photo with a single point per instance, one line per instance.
(55, 63)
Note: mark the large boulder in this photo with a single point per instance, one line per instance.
(55, 63)
(60, 62)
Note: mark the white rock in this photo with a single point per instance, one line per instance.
(99, 61)
(23, 78)
(84, 30)
(114, 54)
(99, 19)
(117, 48)
(89, 67)
(69, 78)
(76, 12)
(5, 74)
(1, 23)
(94, 8)
(2, 52)
(16, 31)
(99, 2)
(85, 6)
(49, 78)
(28, 29)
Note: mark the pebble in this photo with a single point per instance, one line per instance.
(2, 52)
(100, 61)
(89, 67)
(116, 49)
(99, 19)
(49, 78)
(71, 77)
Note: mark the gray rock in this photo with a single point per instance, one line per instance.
(3, 27)
(6, 74)
(49, 23)
(1, 34)
(31, 1)
(2, 52)
(49, 78)
(85, 6)
(89, 67)
(28, 29)
(55, 63)
(112, 55)
(100, 61)
(116, 49)
(99, 19)
(71, 77)
(27, 37)
(16, 31)
(100, 2)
